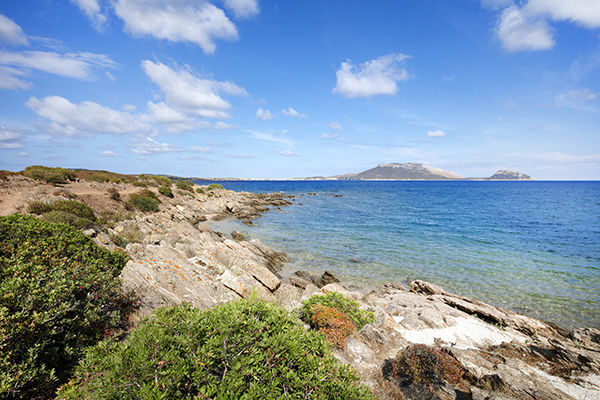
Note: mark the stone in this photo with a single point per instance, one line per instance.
(238, 236)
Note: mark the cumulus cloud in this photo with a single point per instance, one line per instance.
(147, 146)
(11, 33)
(108, 153)
(190, 93)
(375, 77)
(524, 26)
(172, 120)
(191, 21)
(336, 126)
(91, 9)
(290, 112)
(71, 119)
(519, 32)
(222, 126)
(243, 8)
(264, 115)
(438, 133)
(70, 65)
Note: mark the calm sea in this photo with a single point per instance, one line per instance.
(533, 247)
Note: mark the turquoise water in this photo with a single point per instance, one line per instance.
(533, 247)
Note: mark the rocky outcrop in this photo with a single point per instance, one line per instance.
(509, 175)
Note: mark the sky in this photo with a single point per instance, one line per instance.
(283, 89)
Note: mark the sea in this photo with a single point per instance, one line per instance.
(530, 246)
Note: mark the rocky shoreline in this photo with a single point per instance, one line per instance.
(176, 257)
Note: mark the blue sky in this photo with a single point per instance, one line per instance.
(282, 89)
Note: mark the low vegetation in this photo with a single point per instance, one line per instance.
(165, 191)
(69, 212)
(59, 293)
(185, 185)
(214, 186)
(146, 200)
(156, 180)
(335, 300)
(246, 349)
(103, 176)
(48, 174)
(333, 323)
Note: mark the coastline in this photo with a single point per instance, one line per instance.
(180, 259)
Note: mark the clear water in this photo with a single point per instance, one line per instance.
(533, 247)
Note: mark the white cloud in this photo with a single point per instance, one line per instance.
(110, 76)
(584, 12)
(108, 153)
(71, 119)
(11, 33)
(91, 8)
(164, 114)
(70, 65)
(375, 77)
(147, 145)
(9, 79)
(129, 107)
(575, 97)
(23, 154)
(332, 136)
(198, 149)
(336, 126)
(288, 153)
(438, 133)
(186, 91)
(191, 21)
(264, 115)
(520, 32)
(270, 138)
(10, 138)
(290, 112)
(243, 8)
(222, 126)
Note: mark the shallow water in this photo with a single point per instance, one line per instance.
(533, 247)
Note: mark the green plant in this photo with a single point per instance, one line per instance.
(246, 349)
(114, 194)
(39, 207)
(214, 186)
(184, 193)
(156, 180)
(59, 293)
(48, 174)
(165, 191)
(74, 207)
(61, 217)
(140, 183)
(118, 240)
(336, 300)
(69, 212)
(145, 200)
(185, 185)
(200, 190)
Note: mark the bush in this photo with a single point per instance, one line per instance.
(213, 186)
(49, 175)
(348, 306)
(421, 368)
(140, 183)
(59, 292)
(69, 212)
(334, 324)
(165, 191)
(246, 349)
(114, 194)
(145, 200)
(156, 180)
(200, 190)
(185, 185)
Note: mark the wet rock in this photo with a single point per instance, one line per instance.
(238, 236)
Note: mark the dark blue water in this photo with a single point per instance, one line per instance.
(533, 247)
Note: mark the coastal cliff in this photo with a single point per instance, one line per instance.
(423, 342)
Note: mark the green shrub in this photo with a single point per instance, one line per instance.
(114, 194)
(140, 183)
(156, 180)
(59, 293)
(165, 191)
(61, 217)
(213, 186)
(97, 178)
(118, 240)
(184, 193)
(49, 175)
(185, 185)
(70, 212)
(145, 200)
(200, 190)
(246, 349)
(336, 300)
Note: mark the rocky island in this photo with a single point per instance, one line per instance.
(414, 341)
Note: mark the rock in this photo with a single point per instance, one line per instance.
(328, 278)
(237, 236)
(299, 282)
(288, 296)
(336, 287)
(89, 232)
(309, 292)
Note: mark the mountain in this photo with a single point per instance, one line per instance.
(408, 171)
(505, 174)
